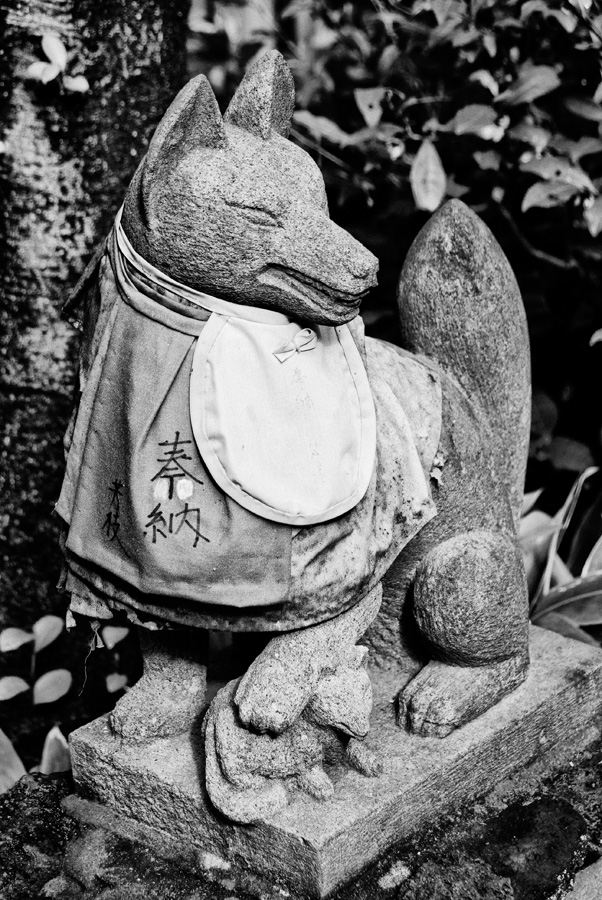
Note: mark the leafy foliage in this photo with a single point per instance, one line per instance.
(55, 758)
(499, 102)
(54, 66)
(508, 92)
(563, 560)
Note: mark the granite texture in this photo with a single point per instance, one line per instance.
(230, 207)
(157, 792)
(305, 700)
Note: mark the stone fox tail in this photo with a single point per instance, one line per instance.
(460, 305)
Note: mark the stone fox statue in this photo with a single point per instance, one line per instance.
(243, 459)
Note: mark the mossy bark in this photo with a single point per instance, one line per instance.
(68, 157)
(65, 161)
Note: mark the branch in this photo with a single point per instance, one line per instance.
(565, 264)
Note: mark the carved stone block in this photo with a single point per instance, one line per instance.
(156, 792)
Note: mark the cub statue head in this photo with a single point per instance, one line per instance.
(234, 209)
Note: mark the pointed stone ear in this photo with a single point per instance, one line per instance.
(193, 120)
(265, 98)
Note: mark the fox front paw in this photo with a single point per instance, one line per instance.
(441, 697)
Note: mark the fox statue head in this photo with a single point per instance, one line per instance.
(234, 209)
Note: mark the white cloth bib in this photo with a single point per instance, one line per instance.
(283, 416)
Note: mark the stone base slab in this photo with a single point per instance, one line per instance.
(155, 793)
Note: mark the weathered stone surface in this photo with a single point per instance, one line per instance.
(460, 305)
(440, 882)
(62, 888)
(170, 695)
(33, 834)
(265, 98)
(88, 855)
(309, 696)
(588, 883)
(229, 209)
(534, 843)
(157, 791)
(248, 218)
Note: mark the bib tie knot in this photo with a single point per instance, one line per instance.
(305, 339)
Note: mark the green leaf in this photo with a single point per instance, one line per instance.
(11, 686)
(52, 686)
(488, 160)
(55, 50)
(537, 137)
(474, 119)
(486, 79)
(596, 337)
(490, 43)
(295, 7)
(563, 17)
(442, 9)
(51, 71)
(197, 21)
(113, 634)
(576, 593)
(583, 6)
(115, 682)
(427, 177)
(323, 37)
(569, 454)
(36, 70)
(46, 630)
(11, 767)
(584, 610)
(593, 217)
(55, 755)
(454, 188)
(575, 150)
(586, 146)
(77, 85)
(369, 102)
(554, 168)
(547, 194)
(593, 563)
(568, 21)
(529, 501)
(533, 6)
(584, 108)
(388, 58)
(13, 638)
(562, 625)
(536, 530)
(321, 127)
(532, 82)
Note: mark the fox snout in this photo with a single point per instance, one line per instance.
(321, 266)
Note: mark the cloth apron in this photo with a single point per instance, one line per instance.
(150, 529)
(137, 497)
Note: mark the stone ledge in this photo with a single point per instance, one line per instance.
(156, 794)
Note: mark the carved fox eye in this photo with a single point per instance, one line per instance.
(259, 214)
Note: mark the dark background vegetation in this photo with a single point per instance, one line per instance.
(403, 104)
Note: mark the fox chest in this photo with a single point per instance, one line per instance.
(146, 515)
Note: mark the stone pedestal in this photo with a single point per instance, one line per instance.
(155, 793)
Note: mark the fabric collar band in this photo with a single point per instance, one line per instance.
(206, 301)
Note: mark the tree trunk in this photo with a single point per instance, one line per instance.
(66, 157)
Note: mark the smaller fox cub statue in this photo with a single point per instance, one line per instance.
(243, 459)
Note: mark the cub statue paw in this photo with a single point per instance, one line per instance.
(304, 702)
